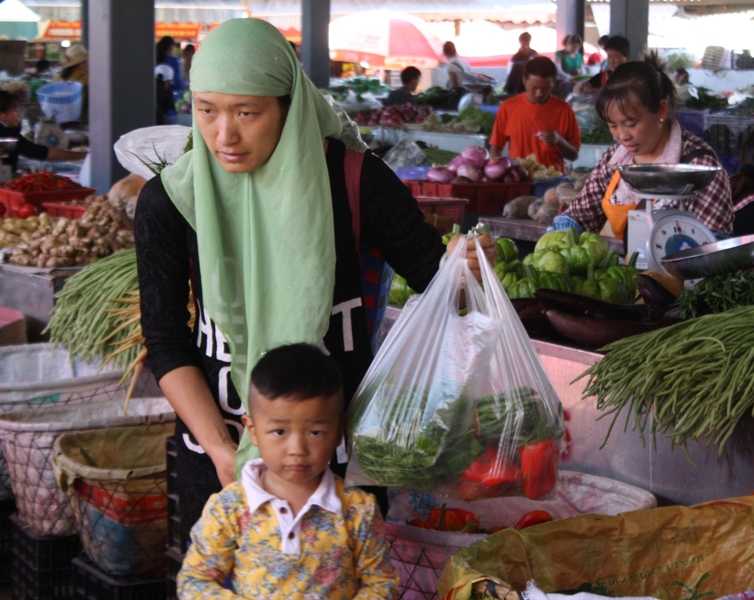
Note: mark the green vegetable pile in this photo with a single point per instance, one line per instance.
(439, 158)
(707, 100)
(82, 319)
(717, 294)
(692, 380)
(483, 118)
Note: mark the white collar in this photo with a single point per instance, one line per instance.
(325, 496)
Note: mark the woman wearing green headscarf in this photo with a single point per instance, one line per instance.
(257, 218)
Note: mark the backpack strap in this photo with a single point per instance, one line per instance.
(352, 165)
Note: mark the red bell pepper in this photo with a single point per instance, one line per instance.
(419, 523)
(533, 517)
(453, 519)
(491, 469)
(539, 463)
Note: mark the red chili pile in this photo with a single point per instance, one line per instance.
(42, 181)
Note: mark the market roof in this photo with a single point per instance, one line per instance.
(12, 11)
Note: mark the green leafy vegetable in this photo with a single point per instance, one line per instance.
(717, 294)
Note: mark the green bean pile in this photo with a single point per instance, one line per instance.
(695, 379)
(83, 319)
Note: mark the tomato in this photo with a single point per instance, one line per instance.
(419, 523)
(25, 210)
(453, 519)
(498, 528)
(533, 517)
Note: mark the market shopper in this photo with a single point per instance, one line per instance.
(455, 65)
(570, 60)
(514, 84)
(536, 122)
(618, 51)
(257, 217)
(289, 519)
(75, 63)
(635, 103)
(165, 56)
(410, 78)
(10, 127)
(187, 54)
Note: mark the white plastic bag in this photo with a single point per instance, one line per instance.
(140, 147)
(457, 405)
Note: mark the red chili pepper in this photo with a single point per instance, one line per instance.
(498, 528)
(490, 469)
(539, 463)
(453, 519)
(419, 523)
(533, 517)
(25, 210)
(43, 181)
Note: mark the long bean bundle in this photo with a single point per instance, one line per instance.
(695, 379)
(82, 319)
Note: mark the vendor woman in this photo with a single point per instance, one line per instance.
(635, 102)
(257, 218)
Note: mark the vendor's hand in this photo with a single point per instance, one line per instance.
(549, 137)
(472, 258)
(224, 459)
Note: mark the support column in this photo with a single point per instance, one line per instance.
(569, 19)
(632, 23)
(315, 40)
(85, 23)
(121, 80)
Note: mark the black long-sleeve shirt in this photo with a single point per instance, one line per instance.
(24, 147)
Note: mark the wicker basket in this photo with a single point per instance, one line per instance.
(28, 436)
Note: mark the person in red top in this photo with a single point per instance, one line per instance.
(536, 122)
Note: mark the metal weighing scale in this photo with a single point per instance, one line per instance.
(6, 146)
(655, 232)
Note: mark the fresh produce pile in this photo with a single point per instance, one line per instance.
(706, 99)
(691, 381)
(440, 98)
(543, 209)
(42, 181)
(467, 462)
(101, 231)
(717, 294)
(473, 166)
(536, 170)
(468, 120)
(392, 116)
(359, 86)
(457, 520)
(14, 231)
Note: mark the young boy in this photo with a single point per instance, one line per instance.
(290, 528)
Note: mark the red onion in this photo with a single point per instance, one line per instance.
(455, 163)
(474, 155)
(470, 171)
(462, 180)
(496, 170)
(440, 175)
(515, 174)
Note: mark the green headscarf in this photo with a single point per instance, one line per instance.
(266, 239)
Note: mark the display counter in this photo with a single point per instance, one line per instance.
(530, 231)
(454, 142)
(665, 472)
(32, 293)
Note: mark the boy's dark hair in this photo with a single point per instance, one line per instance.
(540, 66)
(603, 40)
(42, 65)
(525, 37)
(298, 371)
(409, 74)
(639, 82)
(8, 101)
(619, 44)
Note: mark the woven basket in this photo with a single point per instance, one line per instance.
(28, 437)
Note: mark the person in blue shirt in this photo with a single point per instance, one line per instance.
(165, 56)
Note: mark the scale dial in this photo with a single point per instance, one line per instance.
(672, 233)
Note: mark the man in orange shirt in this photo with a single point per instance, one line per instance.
(536, 122)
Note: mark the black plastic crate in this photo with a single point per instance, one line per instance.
(41, 565)
(171, 455)
(175, 533)
(89, 583)
(175, 561)
(7, 508)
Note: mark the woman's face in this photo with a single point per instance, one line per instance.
(640, 131)
(572, 47)
(241, 132)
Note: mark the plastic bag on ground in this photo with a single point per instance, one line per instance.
(457, 405)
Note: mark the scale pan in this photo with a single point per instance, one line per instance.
(667, 180)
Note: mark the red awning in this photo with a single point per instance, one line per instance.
(178, 31)
(62, 30)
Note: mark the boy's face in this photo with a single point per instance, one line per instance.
(296, 438)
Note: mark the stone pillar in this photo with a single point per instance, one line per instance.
(315, 44)
(569, 19)
(121, 80)
(85, 23)
(632, 23)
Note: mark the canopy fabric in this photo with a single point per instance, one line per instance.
(12, 11)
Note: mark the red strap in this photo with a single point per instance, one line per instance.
(352, 165)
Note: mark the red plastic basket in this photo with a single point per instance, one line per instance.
(447, 207)
(414, 186)
(485, 197)
(37, 199)
(64, 209)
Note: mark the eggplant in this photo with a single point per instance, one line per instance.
(592, 331)
(569, 302)
(653, 292)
